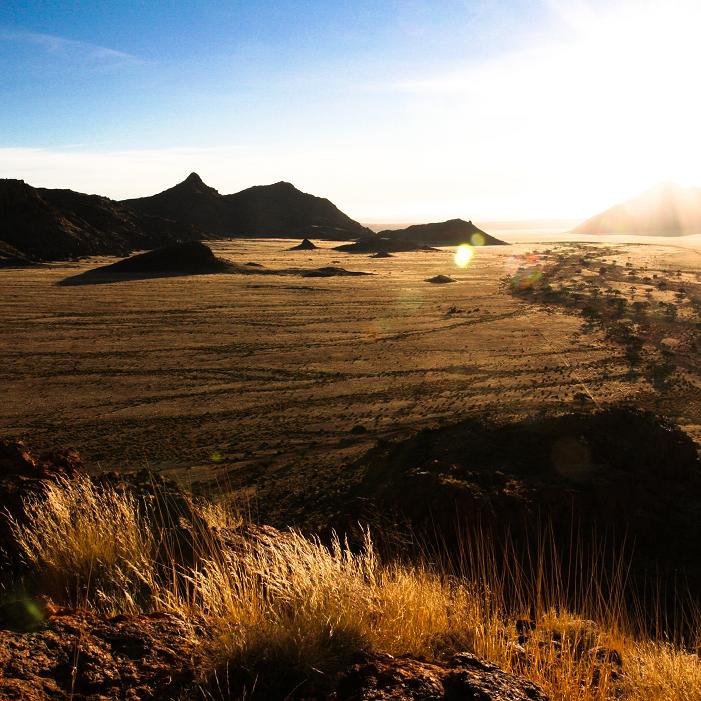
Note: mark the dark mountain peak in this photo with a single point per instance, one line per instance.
(278, 209)
(194, 184)
(193, 179)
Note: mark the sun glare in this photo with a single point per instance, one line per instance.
(628, 75)
(464, 255)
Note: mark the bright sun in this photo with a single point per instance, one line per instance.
(630, 103)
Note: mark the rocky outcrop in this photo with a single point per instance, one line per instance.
(306, 245)
(77, 655)
(439, 279)
(189, 258)
(453, 232)
(40, 224)
(260, 211)
(465, 676)
(22, 474)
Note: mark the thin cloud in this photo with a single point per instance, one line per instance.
(71, 47)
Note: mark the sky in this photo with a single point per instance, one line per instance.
(397, 111)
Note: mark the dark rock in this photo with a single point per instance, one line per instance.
(620, 474)
(82, 656)
(306, 245)
(331, 271)
(465, 676)
(23, 474)
(189, 258)
(440, 279)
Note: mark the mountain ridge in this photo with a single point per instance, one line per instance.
(43, 224)
(666, 209)
(278, 209)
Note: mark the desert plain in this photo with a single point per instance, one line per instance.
(266, 387)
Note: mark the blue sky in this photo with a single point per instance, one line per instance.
(398, 111)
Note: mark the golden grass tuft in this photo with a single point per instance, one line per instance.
(88, 546)
(281, 603)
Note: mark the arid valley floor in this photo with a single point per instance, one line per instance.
(267, 386)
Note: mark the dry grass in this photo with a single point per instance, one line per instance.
(88, 545)
(284, 602)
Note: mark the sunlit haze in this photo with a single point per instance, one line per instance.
(406, 112)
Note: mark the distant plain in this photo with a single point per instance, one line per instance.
(268, 386)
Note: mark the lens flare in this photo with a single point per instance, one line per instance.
(464, 255)
(477, 239)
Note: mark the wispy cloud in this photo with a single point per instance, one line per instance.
(63, 46)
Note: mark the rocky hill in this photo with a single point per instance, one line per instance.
(665, 210)
(260, 211)
(38, 224)
(448, 233)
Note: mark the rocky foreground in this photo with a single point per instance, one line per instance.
(152, 656)
(162, 595)
(50, 650)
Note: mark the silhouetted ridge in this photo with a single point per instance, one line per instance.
(43, 224)
(448, 233)
(665, 210)
(273, 210)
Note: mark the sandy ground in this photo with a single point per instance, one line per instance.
(257, 381)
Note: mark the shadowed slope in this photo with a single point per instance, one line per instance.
(190, 201)
(42, 224)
